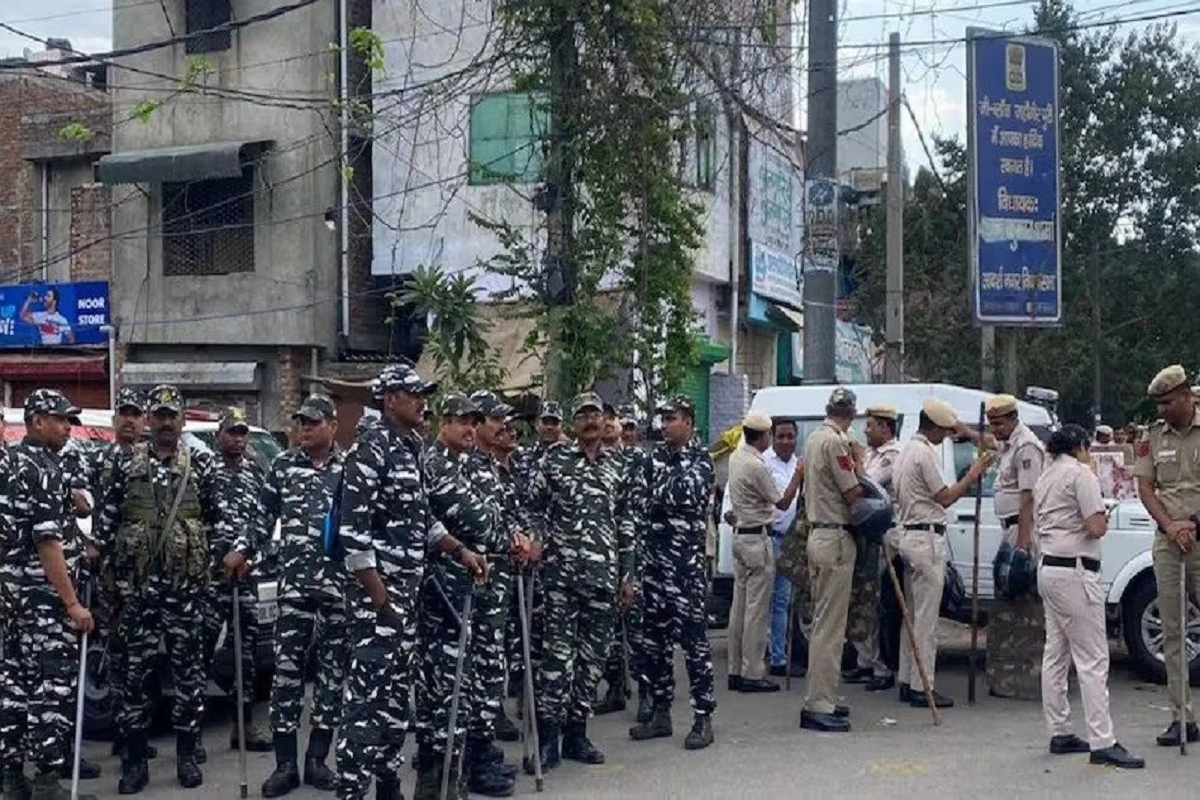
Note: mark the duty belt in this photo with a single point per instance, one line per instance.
(753, 529)
(1008, 522)
(838, 526)
(1090, 564)
(932, 527)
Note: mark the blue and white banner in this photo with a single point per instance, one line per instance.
(52, 315)
(1013, 172)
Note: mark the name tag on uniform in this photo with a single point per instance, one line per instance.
(1166, 455)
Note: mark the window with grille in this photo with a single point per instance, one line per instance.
(203, 15)
(506, 137)
(208, 226)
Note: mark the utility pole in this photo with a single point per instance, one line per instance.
(987, 358)
(820, 272)
(894, 359)
(1098, 347)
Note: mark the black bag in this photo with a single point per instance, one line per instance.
(956, 604)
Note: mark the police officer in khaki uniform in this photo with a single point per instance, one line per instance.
(923, 497)
(831, 485)
(1016, 630)
(1168, 476)
(1071, 519)
(755, 500)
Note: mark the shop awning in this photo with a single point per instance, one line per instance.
(789, 318)
(52, 367)
(229, 375)
(178, 164)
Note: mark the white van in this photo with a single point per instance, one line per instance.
(1127, 570)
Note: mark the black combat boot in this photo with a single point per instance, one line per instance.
(701, 734)
(135, 774)
(286, 776)
(645, 709)
(659, 727)
(387, 787)
(316, 774)
(506, 731)
(484, 775)
(87, 770)
(547, 747)
(16, 785)
(118, 749)
(258, 738)
(187, 771)
(614, 698)
(576, 745)
(429, 774)
(46, 786)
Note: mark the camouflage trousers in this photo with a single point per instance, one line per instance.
(374, 702)
(317, 621)
(676, 590)
(41, 664)
(154, 613)
(579, 629)
(437, 661)
(1016, 639)
(862, 623)
(219, 612)
(516, 659)
(630, 626)
(489, 616)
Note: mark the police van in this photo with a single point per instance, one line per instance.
(200, 431)
(1127, 572)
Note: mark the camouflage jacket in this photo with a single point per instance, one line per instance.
(670, 498)
(298, 494)
(385, 517)
(238, 487)
(495, 485)
(590, 533)
(524, 464)
(458, 506)
(39, 509)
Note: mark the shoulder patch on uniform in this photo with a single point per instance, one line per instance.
(846, 463)
(1143, 448)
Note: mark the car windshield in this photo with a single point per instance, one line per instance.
(261, 446)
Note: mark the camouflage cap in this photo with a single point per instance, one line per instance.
(316, 407)
(165, 397)
(457, 404)
(584, 401)
(628, 414)
(551, 409)
(49, 401)
(231, 419)
(841, 397)
(678, 404)
(131, 398)
(400, 378)
(490, 405)
(610, 410)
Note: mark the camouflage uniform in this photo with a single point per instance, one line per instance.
(672, 490)
(588, 552)
(456, 504)
(385, 526)
(41, 657)
(630, 620)
(162, 580)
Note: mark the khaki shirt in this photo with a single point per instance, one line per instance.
(1170, 459)
(752, 491)
(918, 479)
(1065, 495)
(880, 465)
(1020, 465)
(828, 472)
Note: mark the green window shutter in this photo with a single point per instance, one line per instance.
(695, 386)
(506, 134)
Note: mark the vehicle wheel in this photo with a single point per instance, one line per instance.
(1142, 626)
(99, 703)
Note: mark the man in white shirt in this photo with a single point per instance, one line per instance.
(781, 461)
(53, 327)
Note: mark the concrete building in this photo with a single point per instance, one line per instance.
(54, 227)
(459, 115)
(238, 267)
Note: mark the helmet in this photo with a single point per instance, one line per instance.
(871, 515)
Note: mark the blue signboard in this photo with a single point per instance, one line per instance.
(1014, 220)
(53, 314)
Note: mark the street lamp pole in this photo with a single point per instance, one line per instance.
(111, 330)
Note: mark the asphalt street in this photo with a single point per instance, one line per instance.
(995, 749)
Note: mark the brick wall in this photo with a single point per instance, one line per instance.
(91, 233)
(291, 371)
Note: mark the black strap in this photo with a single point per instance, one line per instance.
(754, 529)
(932, 527)
(1009, 522)
(1090, 564)
(831, 525)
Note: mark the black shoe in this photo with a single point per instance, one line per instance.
(645, 709)
(47, 786)
(1170, 737)
(187, 771)
(1068, 743)
(577, 747)
(87, 770)
(286, 776)
(734, 683)
(657, 727)
(880, 683)
(906, 693)
(701, 734)
(841, 712)
(316, 773)
(919, 700)
(388, 788)
(859, 675)
(778, 671)
(547, 748)
(485, 770)
(506, 731)
(1116, 756)
(614, 700)
(827, 723)
(135, 773)
(757, 686)
(483, 752)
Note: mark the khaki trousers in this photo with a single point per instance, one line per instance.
(1168, 560)
(1075, 631)
(831, 554)
(753, 580)
(924, 554)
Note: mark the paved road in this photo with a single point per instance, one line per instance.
(996, 749)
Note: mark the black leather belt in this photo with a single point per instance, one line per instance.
(837, 526)
(932, 527)
(1008, 522)
(1090, 564)
(755, 529)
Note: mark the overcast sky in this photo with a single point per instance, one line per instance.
(933, 74)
